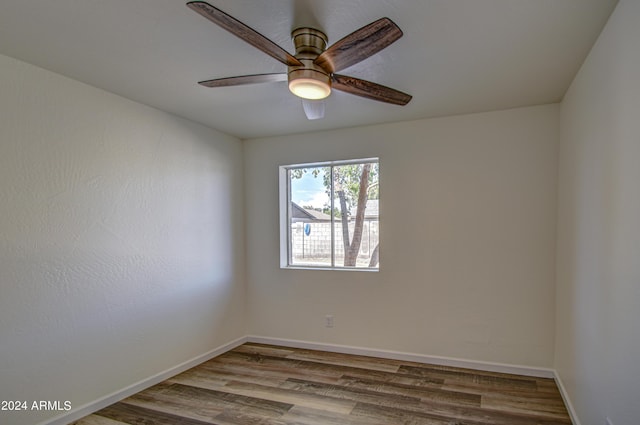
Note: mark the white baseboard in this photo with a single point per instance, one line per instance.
(419, 358)
(114, 397)
(565, 397)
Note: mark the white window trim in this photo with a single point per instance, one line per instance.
(284, 188)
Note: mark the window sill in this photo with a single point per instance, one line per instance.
(342, 269)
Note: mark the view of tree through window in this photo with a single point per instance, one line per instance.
(333, 215)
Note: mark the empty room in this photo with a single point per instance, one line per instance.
(297, 212)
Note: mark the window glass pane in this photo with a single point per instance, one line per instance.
(356, 217)
(310, 217)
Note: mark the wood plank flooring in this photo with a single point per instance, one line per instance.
(258, 384)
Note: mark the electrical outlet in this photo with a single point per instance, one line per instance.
(328, 321)
(607, 421)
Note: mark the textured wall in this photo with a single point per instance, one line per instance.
(120, 240)
(598, 336)
(467, 230)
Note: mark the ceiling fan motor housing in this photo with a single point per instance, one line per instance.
(309, 81)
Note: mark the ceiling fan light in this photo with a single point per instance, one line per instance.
(309, 83)
(309, 88)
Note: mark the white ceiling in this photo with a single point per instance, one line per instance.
(456, 56)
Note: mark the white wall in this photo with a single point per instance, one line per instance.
(479, 189)
(121, 234)
(598, 298)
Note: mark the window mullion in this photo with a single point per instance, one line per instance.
(289, 219)
(333, 224)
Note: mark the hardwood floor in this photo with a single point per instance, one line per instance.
(258, 384)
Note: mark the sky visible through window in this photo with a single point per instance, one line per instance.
(309, 191)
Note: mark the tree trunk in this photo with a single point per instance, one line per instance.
(345, 221)
(351, 255)
(375, 256)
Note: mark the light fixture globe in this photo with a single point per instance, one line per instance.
(309, 84)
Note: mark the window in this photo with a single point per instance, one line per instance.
(329, 215)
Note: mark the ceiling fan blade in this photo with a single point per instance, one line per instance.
(359, 45)
(241, 30)
(313, 109)
(244, 79)
(369, 90)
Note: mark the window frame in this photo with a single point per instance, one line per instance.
(285, 215)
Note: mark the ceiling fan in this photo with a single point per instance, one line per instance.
(311, 73)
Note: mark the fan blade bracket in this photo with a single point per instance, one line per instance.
(244, 32)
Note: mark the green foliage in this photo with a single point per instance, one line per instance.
(346, 179)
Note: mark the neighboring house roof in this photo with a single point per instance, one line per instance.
(299, 213)
(303, 214)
